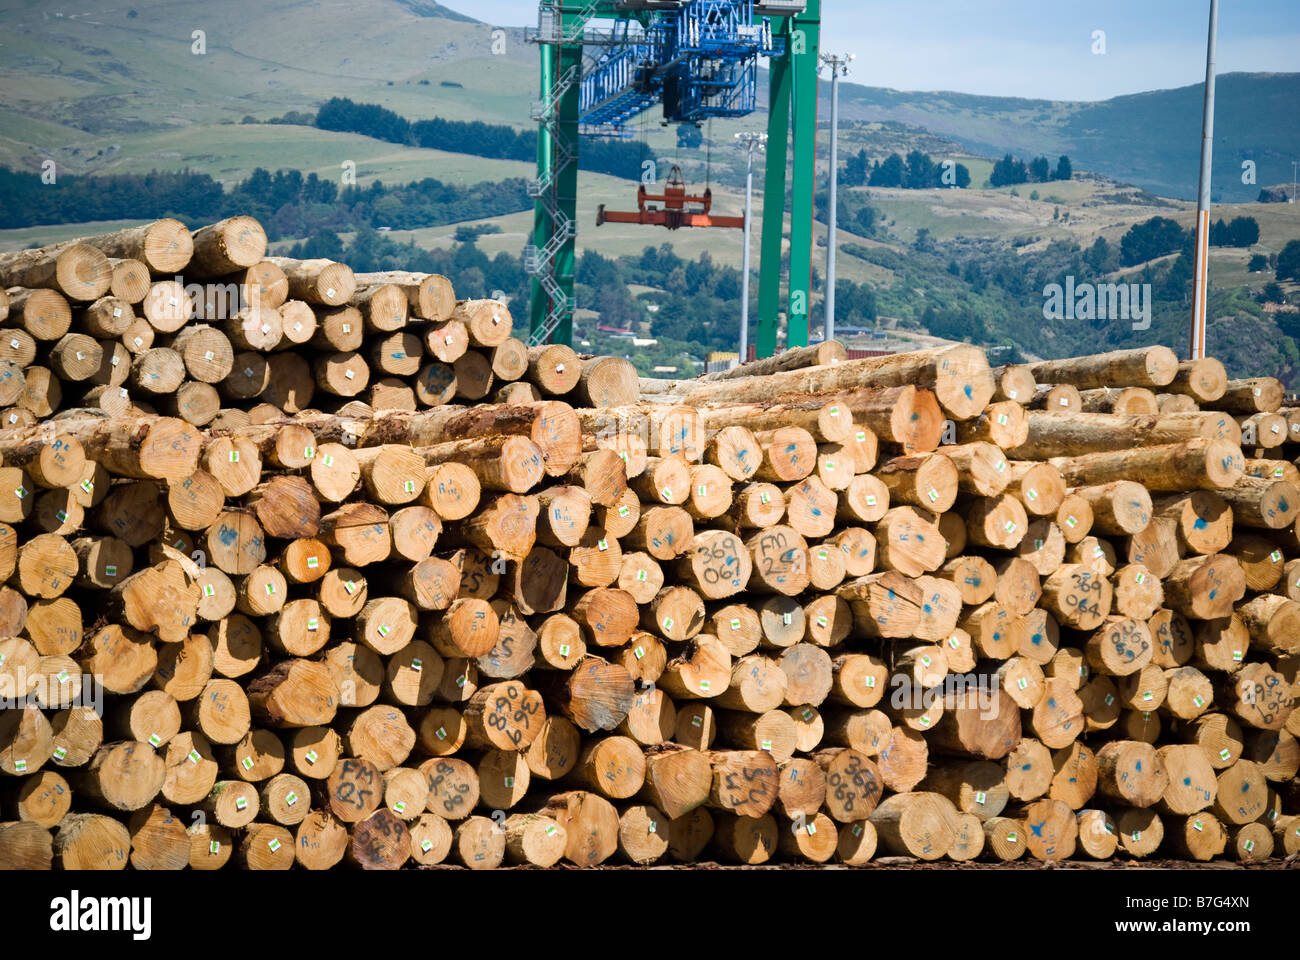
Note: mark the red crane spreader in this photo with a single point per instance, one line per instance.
(680, 209)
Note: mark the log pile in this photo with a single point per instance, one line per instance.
(353, 577)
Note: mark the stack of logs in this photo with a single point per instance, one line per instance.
(274, 597)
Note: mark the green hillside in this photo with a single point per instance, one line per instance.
(1148, 139)
(97, 87)
(90, 77)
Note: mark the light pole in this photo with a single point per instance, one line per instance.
(752, 141)
(1201, 280)
(839, 65)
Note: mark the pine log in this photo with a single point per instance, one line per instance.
(319, 281)
(1141, 367)
(554, 368)
(591, 825)
(130, 281)
(85, 841)
(1051, 829)
(1266, 504)
(227, 246)
(794, 358)
(1061, 398)
(1129, 401)
(902, 415)
(920, 825)
(534, 839)
(79, 271)
(294, 693)
(1252, 395)
(958, 375)
(1204, 379)
(1067, 435)
(828, 421)
(33, 315)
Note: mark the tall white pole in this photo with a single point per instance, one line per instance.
(829, 328)
(751, 141)
(744, 268)
(1201, 287)
(838, 65)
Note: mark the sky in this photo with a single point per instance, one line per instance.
(1039, 49)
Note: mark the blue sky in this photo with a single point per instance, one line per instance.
(1041, 49)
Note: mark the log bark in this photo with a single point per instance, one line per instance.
(144, 448)
(1195, 464)
(920, 825)
(230, 245)
(79, 271)
(1140, 367)
(959, 376)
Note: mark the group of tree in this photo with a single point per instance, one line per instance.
(1288, 261)
(288, 203)
(470, 232)
(1100, 257)
(291, 205)
(1157, 237)
(26, 200)
(1011, 170)
(855, 303)
(698, 300)
(1241, 232)
(1273, 293)
(861, 219)
(1160, 236)
(916, 172)
(496, 141)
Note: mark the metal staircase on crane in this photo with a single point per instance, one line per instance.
(605, 62)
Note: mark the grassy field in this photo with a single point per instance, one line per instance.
(89, 76)
(231, 152)
(1001, 214)
(24, 237)
(1146, 138)
(80, 79)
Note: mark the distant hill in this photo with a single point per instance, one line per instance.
(428, 8)
(98, 89)
(84, 76)
(1151, 140)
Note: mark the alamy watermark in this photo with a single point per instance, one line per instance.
(212, 301)
(58, 691)
(78, 914)
(1098, 301)
(955, 688)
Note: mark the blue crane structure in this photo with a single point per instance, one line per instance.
(605, 62)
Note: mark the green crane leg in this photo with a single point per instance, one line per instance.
(541, 219)
(803, 95)
(769, 263)
(567, 187)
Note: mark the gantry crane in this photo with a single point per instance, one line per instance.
(699, 59)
